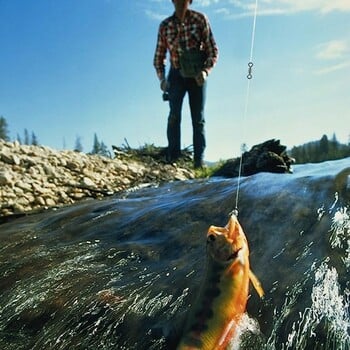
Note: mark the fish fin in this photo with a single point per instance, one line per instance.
(256, 283)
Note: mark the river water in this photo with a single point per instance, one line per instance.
(121, 273)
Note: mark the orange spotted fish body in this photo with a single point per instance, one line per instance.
(224, 293)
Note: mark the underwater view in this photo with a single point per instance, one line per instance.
(123, 272)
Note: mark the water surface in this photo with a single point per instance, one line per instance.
(121, 273)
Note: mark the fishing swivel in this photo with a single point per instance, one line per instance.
(250, 69)
(234, 212)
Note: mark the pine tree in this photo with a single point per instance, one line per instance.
(26, 137)
(19, 139)
(4, 129)
(323, 148)
(100, 148)
(334, 149)
(35, 141)
(104, 150)
(78, 145)
(324, 144)
(319, 151)
(96, 145)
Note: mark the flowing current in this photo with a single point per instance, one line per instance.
(122, 273)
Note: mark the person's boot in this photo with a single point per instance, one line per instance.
(172, 157)
(198, 163)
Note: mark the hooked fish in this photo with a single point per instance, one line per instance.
(224, 293)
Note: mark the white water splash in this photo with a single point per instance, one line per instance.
(340, 233)
(246, 325)
(280, 316)
(329, 307)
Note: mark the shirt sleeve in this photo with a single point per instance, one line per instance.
(210, 47)
(160, 54)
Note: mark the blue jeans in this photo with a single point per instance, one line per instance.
(177, 88)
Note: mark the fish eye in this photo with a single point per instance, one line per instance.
(211, 238)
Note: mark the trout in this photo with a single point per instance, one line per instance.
(223, 296)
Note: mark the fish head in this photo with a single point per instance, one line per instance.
(227, 244)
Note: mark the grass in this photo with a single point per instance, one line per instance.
(208, 171)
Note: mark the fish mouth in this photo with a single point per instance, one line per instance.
(222, 250)
(234, 255)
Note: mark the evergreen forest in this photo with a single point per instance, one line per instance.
(28, 138)
(320, 151)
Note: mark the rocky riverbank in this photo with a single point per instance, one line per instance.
(33, 178)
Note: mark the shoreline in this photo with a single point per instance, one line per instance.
(36, 178)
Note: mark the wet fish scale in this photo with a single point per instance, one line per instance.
(224, 292)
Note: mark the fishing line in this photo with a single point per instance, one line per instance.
(249, 77)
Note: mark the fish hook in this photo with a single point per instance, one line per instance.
(234, 212)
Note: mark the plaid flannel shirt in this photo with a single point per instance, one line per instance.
(193, 33)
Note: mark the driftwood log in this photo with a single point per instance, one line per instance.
(269, 156)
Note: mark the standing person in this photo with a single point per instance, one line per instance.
(193, 53)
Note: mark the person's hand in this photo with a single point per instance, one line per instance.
(164, 85)
(201, 78)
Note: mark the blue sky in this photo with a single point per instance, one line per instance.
(70, 68)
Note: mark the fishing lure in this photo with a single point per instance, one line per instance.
(224, 293)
